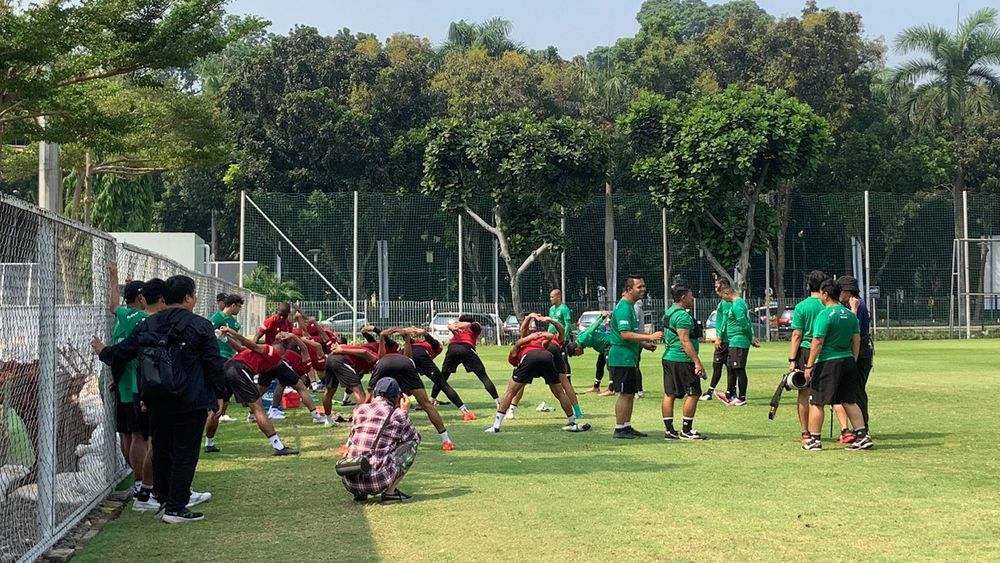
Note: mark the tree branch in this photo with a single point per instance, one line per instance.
(715, 221)
(106, 74)
(715, 262)
(482, 223)
(532, 257)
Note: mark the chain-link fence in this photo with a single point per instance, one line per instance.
(408, 251)
(59, 453)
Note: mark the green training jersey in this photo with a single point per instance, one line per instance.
(677, 318)
(720, 320)
(804, 317)
(623, 353)
(595, 337)
(221, 319)
(561, 315)
(836, 325)
(738, 327)
(128, 319)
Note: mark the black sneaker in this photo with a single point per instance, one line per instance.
(636, 433)
(670, 435)
(813, 446)
(865, 443)
(181, 516)
(691, 435)
(212, 449)
(624, 434)
(394, 498)
(361, 498)
(286, 451)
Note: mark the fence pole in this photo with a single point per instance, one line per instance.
(46, 377)
(666, 257)
(354, 293)
(965, 265)
(562, 257)
(461, 246)
(868, 266)
(613, 297)
(243, 221)
(496, 276)
(767, 291)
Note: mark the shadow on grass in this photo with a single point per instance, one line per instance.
(552, 465)
(920, 436)
(734, 437)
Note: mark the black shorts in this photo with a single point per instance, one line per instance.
(340, 371)
(537, 363)
(284, 373)
(425, 363)
(835, 382)
(559, 358)
(736, 358)
(802, 359)
(400, 368)
(129, 418)
(721, 354)
(625, 379)
(679, 379)
(239, 382)
(459, 354)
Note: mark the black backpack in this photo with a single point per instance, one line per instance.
(161, 376)
(696, 332)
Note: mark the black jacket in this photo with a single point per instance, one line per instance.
(203, 363)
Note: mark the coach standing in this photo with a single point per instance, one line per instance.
(850, 297)
(623, 356)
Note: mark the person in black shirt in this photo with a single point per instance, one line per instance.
(176, 425)
(850, 297)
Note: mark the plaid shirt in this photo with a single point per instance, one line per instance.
(368, 419)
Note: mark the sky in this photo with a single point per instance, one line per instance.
(573, 26)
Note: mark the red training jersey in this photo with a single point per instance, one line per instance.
(467, 336)
(259, 362)
(272, 326)
(301, 367)
(362, 365)
(518, 354)
(432, 351)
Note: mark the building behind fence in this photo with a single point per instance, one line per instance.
(59, 454)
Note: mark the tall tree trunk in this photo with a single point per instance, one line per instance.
(783, 208)
(472, 263)
(609, 244)
(88, 188)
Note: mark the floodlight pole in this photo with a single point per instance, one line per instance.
(461, 246)
(965, 265)
(243, 221)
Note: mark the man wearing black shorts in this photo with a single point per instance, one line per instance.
(682, 369)
(425, 349)
(531, 358)
(623, 356)
(462, 352)
(803, 318)
(400, 366)
(832, 371)
(850, 297)
(345, 366)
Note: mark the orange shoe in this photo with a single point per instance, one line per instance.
(468, 415)
(447, 446)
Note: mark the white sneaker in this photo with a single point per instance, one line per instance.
(640, 395)
(198, 498)
(329, 422)
(251, 418)
(151, 505)
(275, 414)
(492, 430)
(319, 419)
(705, 397)
(509, 415)
(226, 418)
(542, 407)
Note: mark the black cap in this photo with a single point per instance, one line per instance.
(848, 283)
(133, 290)
(221, 297)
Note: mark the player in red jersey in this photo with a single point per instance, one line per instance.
(425, 349)
(462, 351)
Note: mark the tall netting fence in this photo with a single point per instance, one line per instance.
(408, 253)
(58, 448)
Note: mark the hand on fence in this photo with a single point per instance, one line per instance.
(97, 345)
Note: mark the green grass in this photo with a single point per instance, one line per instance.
(927, 491)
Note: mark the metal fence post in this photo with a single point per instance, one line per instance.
(46, 377)
(243, 223)
(354, 291)
(868, 266)
(461, 246)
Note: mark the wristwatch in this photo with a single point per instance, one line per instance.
(791, 359)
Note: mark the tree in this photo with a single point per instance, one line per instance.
(709, 162)
(492, 36)
(265, 282)
(956, 83)
(531, 170)
(124, 204)
(693, 17)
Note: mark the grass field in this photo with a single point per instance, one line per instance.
(929, 489)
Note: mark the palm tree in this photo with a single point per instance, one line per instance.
(493, 36)
(957, 82)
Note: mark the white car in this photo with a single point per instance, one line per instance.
(586, 319)
(341, 322)
(439, 326)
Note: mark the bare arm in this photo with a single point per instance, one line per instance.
(243, 341)
(796, 342)
(640, 337)
(408, 344)
(684, 335)
(856, 345)
(559, 327)
(814, 350)
(459, 325)
(357, 353)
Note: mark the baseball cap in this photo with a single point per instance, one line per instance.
(848, 283)
(133, 290)
(388, 388)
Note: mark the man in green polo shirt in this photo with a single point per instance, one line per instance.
(131, 429)
(802, 334)
(233, 304)
(682, 369)
(623, 356)
(721, 353)
(559, 312)
(739, 331)
(832, 371)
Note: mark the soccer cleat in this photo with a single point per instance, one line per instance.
(286, 451)
(510, 414)
(722, 397)
(636, 433)
(212, 449)
(705, 397)
(181, 516)
(275, 414)
(251, 418)
(624, 434)
(319, 419)
(226, 418)
(864, 443)
(197, 498)
(468, 416)
(737, 402)
(492, 430)
(576, 427)
(447, 446)
(670, 435)
(813, 445)
(150, 505)
(692, 435)
(846, 437)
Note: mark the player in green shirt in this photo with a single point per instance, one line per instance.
(227, 317)
(623, 356)
(721, 353)
(802, 335)
(595, 337)
(682, 369)
(832, 370)
(739, 331)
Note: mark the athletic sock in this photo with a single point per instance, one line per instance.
(571, 420)
(619, 427)
(576, 411)
(861, 432)
(688, 424)
(668, 423)
(711, 390)
(276, 442)
(444, 436)
(814, 436)
(499, 419)
(463, 408)
(209, 442)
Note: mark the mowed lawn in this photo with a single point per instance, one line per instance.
(929, 489)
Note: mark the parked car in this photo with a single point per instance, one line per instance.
(439, 326)
(341, 322)
(586, 319)
(510, 329)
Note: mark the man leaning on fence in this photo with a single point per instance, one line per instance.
(177, 414)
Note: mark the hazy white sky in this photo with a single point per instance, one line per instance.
(573, 26)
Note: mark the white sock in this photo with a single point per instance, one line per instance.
(463, 408)
(619, 427)
(276, 442)
(209, 441)
(137, 486)
(571, 420)
(444, 436)
(498, 420)
(315, 414)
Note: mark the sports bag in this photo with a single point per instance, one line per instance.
(360, 465)
(161, 374)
